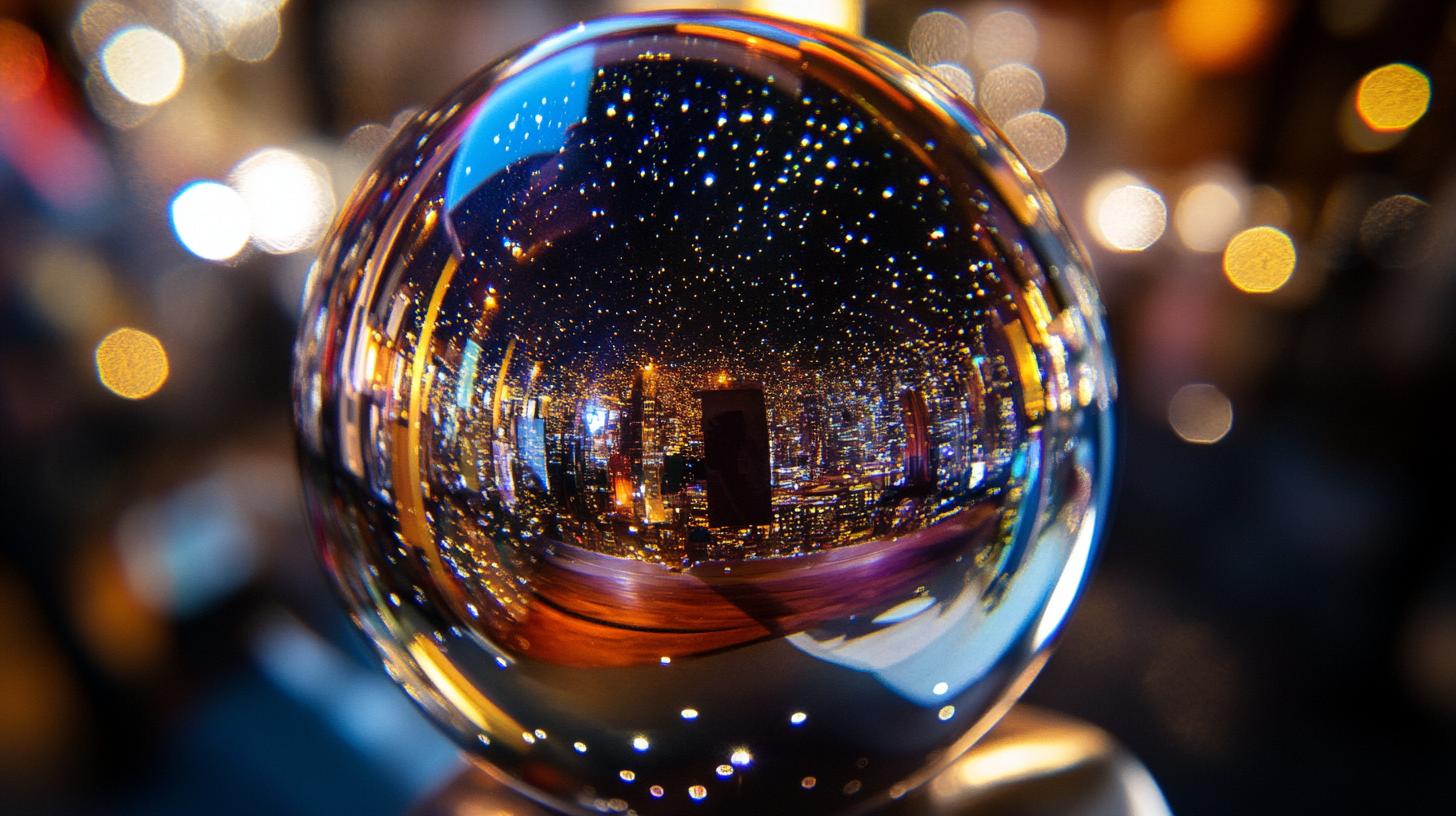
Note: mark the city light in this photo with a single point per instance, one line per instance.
(1259, 260)
(131, 363)
(143, 64)
(211, 220)
(1393, 97)
(1200, 413)
(289, 198)
(1126, 215)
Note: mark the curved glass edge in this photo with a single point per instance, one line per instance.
(1053, 246)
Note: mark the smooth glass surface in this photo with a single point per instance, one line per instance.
(705, 412)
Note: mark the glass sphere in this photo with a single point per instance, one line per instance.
(704, 411)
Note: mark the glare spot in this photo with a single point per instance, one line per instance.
(938, 36)
(709, 179)
(211, 220)
(289, 197)
(665, 660)
(1009, 90)
(844, 15)
(808, 783)
(627, 776)
(1039, 137)
(1200, 413)
(689, 713)
(725, 770)
(131, 363)
(1259, 260)
(741, 757)
(1206, 215)
(656, 791)
(945, 713)
(640, 743)
(1216, 35)
(1003, 37)
(579, 746)
(698, 793)
(798, 718)
(1127, 216)
(940, 688)
(1393, 97)
(143, 64)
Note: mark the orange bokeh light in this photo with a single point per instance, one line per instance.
(1219, 35)
(22, 62)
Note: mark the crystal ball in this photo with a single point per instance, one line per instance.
(705, 413)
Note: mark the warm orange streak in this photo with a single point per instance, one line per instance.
(412, 508)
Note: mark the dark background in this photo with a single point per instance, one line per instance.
(1272, 627)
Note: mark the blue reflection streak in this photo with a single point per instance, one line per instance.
(521, 119)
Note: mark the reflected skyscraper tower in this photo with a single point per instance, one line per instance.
(735, 444)
(919, 453)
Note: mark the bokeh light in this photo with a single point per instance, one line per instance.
(845, 15)
(1011, 89)
(1002, 37)
(289, 198)
(1357, 134)
(1259, 260)
(1218, 35)
(96, 21)
(131, 363)
(1125, 214)
(211, 220)
(1040, 138)
(1389, 232)
(22, 61)
(143, 64)
(1206, 215)
(70, 285)
(938, 36)
(958, 78)
(1200, 413)
(1393, 97)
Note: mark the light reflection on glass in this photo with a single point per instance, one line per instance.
(614, 397)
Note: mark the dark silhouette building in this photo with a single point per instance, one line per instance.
(736, 453)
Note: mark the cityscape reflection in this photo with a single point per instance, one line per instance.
(686, 349)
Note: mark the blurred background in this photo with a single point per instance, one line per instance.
(1268, 192)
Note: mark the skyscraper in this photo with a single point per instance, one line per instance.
(919, 453)
(735, 442)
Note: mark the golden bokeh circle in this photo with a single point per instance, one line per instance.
(1393, 97)
(131, 363)
(1259, 260)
